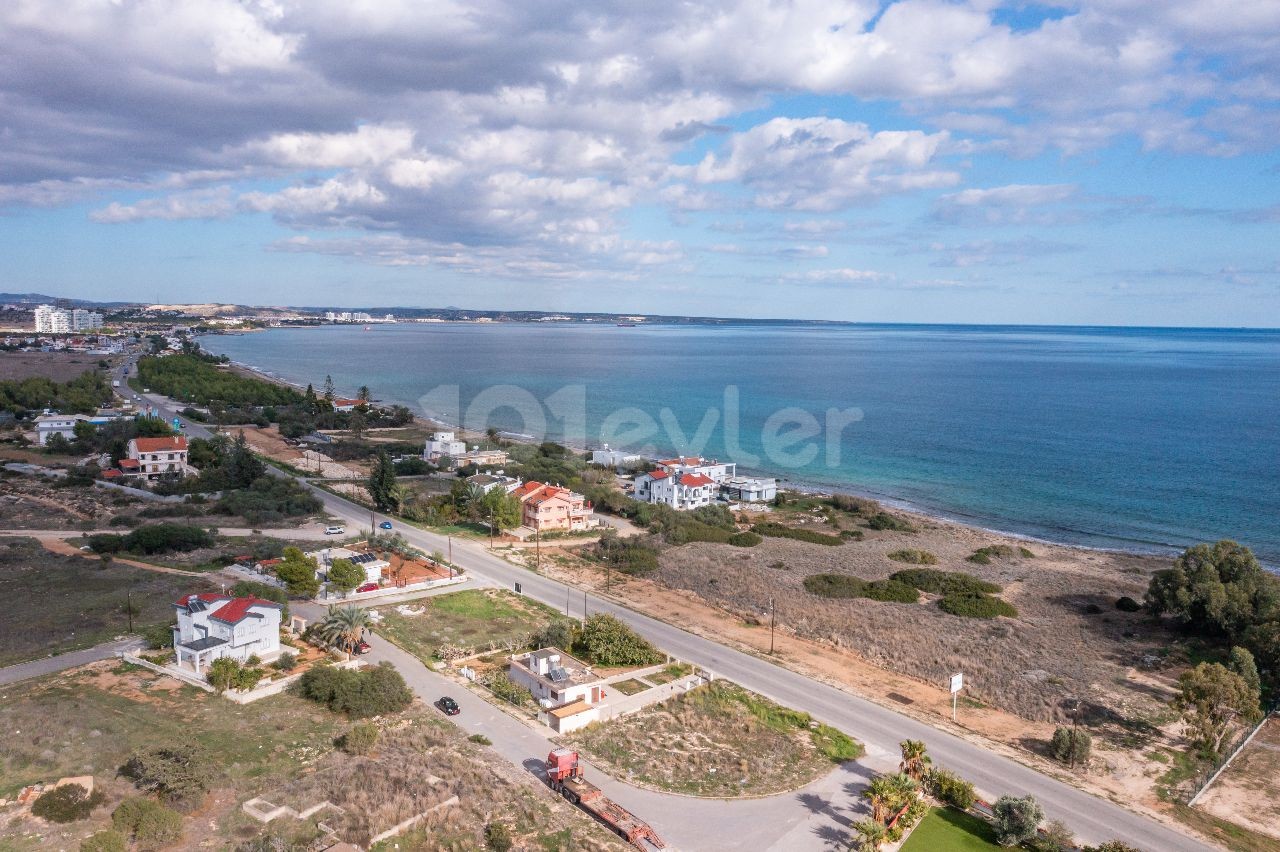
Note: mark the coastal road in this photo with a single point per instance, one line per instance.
(1094, 820)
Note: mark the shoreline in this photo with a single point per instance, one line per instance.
(926, 514)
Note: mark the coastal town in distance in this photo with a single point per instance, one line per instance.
(788, 426)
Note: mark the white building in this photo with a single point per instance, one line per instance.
(613, 458)
(153, 458)
(372, 565)
(443, 444)
(51, 320)
(57, 424)
(83, 320)
(686, 482)
(211, 626)
(749, 489)
(566, 689)
(490, 481)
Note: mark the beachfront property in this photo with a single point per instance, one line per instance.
(211, 626)
(688, 482)
(565, 688)
(347, 405)
(51, 320)
(442, 444)
(614, 458)
(749, 489)
(551, 507)
(153, 458)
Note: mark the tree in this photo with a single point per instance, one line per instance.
(223, 673)
(56, 444)
(1016, 820)
(869, 835)
(356, 424)
(364, 394)
(345, 575)
(266, 591)
(1243, 664)
(1212, 698)
(298, 573)
(503, 510)
(328, 389)
(382, 486)
(1056, 837)
(241, 467)
(344, 627)
(1218, 589)
(178, 773)
(1071, 745)
(367, 692)
(607, 641)
(915, 760)
(889, 794)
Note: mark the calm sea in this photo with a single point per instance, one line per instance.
(1133, 438)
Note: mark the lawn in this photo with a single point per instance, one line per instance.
(480, 619)
(630, 686)
(670, 673)
(82, 601)
(717, 741)
(949, 830)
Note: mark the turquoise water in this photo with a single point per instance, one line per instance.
(1134, 438)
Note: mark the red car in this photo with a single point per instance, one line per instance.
(369, 587)
(363, 647)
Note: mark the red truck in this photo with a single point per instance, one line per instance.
(564, 775)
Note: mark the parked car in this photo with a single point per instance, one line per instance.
(363, 647)
(335, 530)
(448, 706)
(369, 587)
(386, 525)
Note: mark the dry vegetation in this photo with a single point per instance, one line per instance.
(718, 740)
(34, 503)
(56, 366)
(1247, 792)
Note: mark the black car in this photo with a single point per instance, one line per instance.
(448, 706)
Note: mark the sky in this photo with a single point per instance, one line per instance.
(1108, 162)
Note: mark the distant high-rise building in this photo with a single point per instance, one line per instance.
(51, 320)
(83, 320)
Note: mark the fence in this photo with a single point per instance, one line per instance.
(1229, 755)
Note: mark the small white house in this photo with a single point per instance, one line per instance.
(749, 489)
(443, 444)
(613, 458)
(565, 688)
(57, 424)
(212, 625)
(490, 481)
(370, 563)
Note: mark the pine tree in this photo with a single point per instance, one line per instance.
(382, 484)
(328, 388)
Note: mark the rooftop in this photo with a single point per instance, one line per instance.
(555, 667)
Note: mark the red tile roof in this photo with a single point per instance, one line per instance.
(527, 489)
(112, 474)
(694, 480)
(128, 463)
(237, 609)
(349, 402)
(177, 443)
(659, 474)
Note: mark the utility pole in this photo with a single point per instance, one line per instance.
(537, 550)
(129, 609)
(450, 537)
(772, 621)
(567, 593)
(584, 605)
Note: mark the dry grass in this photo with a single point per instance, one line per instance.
(1248, 793)
(1027, 665)
(58, 366)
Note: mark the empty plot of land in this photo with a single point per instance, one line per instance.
(718, 740)
(1248, 793)
(58, 366)
(474, 619)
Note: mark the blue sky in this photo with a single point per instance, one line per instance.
(1092, 161)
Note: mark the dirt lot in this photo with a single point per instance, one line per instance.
(474, 619)
(58, 366)
(1248, 793)
(28, 502)
(82, 601)
(717, 741)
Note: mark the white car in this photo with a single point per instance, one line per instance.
(335, 530)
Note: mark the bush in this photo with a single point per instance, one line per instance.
(885, 521)
(846, 586)
(1016, 820)
(1128, 604)
(269, 499)
(157, 635)
(937, 582)
(480, 739)
(222, 673)
(178, 774)
(977, 606)
(508, 690)
(1071, 745)
(166, 538)
(124, 521)
(951, 789)
(106, 543)
(498, 837)
(107, 840)
(148, 824)
(559, 633)
(358, 693)
(285, 661)
(914, 557)
(745, 539)
(607, 641)
(984, 555)
(360, 739)
(852, 535)
(772, 529)
(66, 803)
(628, 555)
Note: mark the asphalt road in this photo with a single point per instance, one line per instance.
(1093, 819)
(69, 660)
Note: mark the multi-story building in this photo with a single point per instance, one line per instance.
(154, 458)
(442, 444)
(83, 320)
(211, 626)
(51, 320)
(550, 507)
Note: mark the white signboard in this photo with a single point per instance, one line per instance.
(957, 683)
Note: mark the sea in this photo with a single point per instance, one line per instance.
(1141, 439)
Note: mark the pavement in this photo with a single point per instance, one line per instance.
(69, 660)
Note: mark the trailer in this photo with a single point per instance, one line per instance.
(564, 775)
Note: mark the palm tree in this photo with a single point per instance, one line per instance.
(914, 759)
(879, 792)
(344, 627)
(868, 835)
(903, 788)
(473, 501)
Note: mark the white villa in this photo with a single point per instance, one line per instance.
(749, 489)
(59, 424)
(614, 458)
(152, 458)
(443, 444)
(212, 625)
(372, 565)
(490, 481)
(689, 482)
(565, 688)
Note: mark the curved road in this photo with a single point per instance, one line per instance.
(1092, 818)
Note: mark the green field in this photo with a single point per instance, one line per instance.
(475, 618)
(949, 830)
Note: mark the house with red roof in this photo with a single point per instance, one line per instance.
(348, 404)
(157, 458)
(550, 507)
(212, 626)
(685, 482)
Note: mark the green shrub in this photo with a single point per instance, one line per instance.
(480, 739)
(1025, 553)
(285, 661)
(744, 539)
(107, 840)
(984, 555)
(950, 788)
(977, 606)
(373, 691)
(66, 803)
(852, 535)
(773, 529)
(178, 773)
(1128, 604)
(846, 586)
(885, 521)
(157, 635)
(1071, 745)
(148, 824)
(106, 543)
(853, 505)
(913, 557)
(124, 521)
(937, 582)
(360, 739)
(1016, 819)
(498, 837)
(607, 641)
(508, 690)
(166, 538)
(836, 745)
(628, 555)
